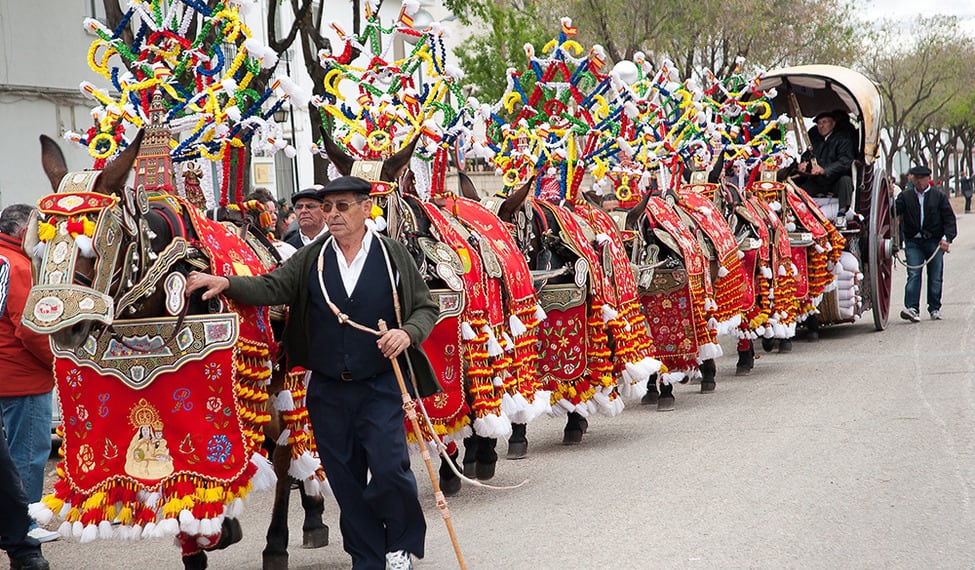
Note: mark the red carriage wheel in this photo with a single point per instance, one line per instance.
(880, 244)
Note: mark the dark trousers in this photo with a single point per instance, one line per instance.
(917, 251)
(842, 189)
(358, 427)
(968, 201)
(14, 520)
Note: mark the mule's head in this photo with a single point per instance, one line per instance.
(80, 242)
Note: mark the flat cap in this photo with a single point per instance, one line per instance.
(824, 114)
(314, 193)
(347, 184)
(920, 171)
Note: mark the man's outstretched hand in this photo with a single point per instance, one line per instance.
(214, 285)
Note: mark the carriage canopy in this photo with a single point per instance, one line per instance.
(821, 88)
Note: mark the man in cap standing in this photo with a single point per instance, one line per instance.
(826, 167)
(928, 225)
(350, 278)
(311, 220)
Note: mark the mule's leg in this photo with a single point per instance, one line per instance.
(572, 434)
(471, 445)
(812, 328)
(275, 555)
(708, 372)
(746, 357)
(487, 457)
(785, 346)
(518, 442)
(768, 344)
(665, 402)
(314, 532)
(449, 482)
(652, 394)
(196, 561)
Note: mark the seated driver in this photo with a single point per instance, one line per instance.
(826, 168)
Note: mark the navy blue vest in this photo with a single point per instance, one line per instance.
(337, 348)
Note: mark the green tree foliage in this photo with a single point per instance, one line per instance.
(924, 78)
(505, 29)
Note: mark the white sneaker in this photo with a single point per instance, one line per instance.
(840, 222)
(936, 315)
(399, 560)
(43, 535)
(911, 315)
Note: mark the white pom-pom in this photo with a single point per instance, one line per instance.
(40, 513)
(467, 331)
(722, 272)
(517, 327)
(298, 95)
(609, 314)
(782, 272)
(84, 246)
(494, 348)
(283, 438)
(89, 534)
(233, 112)
(509, 341)
(284, 402)
(188, 523)
(540, 313)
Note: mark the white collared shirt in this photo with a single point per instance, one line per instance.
(350, 272)
(920, 201)
(305, 240)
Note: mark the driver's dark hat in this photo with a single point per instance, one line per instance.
(920, 171)
(314, 193)
(824, 114)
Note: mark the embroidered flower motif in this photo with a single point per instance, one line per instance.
(213, 372)
(73, 378)
(214, 404)
(82, 413)
(218, 448)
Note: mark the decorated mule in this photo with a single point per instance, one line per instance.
(165, 399)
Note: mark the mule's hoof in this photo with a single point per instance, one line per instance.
(785, 346)
(743, 371)
(196, 561)
(708, 387)
(470, 469)
(768, 344)
(584, 425)
(450, 486)
(649, 398)
(485, 471)
(517, 449)
(666, 404)
(274, 561)
(230, 533)
(314, 537)
(572, 436)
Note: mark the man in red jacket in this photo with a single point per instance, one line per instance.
(28, 368)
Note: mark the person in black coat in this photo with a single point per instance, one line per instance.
(966, 191)
(826, 168)
(311, 220)
(928, 227)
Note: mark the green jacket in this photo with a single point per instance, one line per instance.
(288, 285)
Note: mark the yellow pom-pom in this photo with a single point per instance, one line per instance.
(88, 225)
(46, 231)
(376, 211)
(125, 515)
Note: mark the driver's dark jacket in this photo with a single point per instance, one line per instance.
(834, 155)
(288, 285)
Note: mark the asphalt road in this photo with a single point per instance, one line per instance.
(854, 452)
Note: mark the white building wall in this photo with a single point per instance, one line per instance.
(43, 51)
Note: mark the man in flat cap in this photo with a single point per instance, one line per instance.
(826, 167)
(928, 225)
(353, 276)
(308, 212)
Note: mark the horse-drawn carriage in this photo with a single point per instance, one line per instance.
(805, 91)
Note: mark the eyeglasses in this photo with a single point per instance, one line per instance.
(340, 206)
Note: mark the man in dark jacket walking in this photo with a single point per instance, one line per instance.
(351, 277)
(928, 227)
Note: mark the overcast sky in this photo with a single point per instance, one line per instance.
(905, 9)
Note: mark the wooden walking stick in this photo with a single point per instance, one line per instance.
(410, 408)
